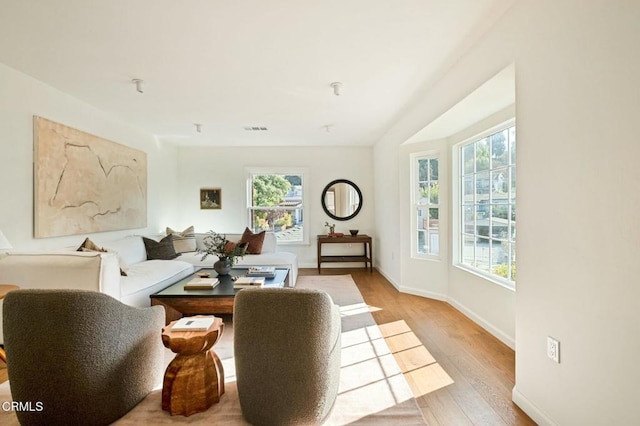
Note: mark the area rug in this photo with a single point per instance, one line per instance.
(372, 389)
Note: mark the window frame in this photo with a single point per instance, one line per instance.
(459, 206)
(415, 205)
(291, 171)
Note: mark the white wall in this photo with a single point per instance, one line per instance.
(493, 54)
(424, 277)
(225, 168)
(387, 212)
(475, 296)
(578, 103)
(22, 97)
(490, 305)
(577, 78)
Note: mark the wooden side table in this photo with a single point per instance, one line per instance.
(366, 256)
(4, 289)
(194, 380)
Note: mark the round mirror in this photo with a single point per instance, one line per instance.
(341, 199)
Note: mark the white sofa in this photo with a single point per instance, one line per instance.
(100, 271)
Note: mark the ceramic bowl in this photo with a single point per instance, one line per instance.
(353, 232)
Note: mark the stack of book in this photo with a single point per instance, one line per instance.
(198, 283)
(242, 282)
(193, 324)
(262, 271)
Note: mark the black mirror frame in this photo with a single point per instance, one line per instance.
(324, 205)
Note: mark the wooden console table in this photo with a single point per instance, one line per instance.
(366, 257)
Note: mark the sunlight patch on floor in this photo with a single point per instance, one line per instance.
(356, 309)
(369, 373)
(419, 367)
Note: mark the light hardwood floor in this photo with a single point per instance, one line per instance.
(460, 374)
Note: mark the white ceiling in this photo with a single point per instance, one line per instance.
(232, 64)
(492, 96)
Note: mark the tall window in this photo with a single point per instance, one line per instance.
(488, 205)
(276, 204)
(426, 204)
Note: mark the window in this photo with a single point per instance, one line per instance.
(275, 203)
(488, 205)
(426, 201)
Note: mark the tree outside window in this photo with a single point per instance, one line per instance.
(276, 205)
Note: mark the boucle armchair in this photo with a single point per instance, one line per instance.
(80, 357)
(287, 353)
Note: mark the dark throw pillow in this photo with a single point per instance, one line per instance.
(162, 249)
(88, 245)
(254, 241)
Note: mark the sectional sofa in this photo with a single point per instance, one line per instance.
(124, 271)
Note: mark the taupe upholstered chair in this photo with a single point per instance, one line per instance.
(287, 355)
(80, 357)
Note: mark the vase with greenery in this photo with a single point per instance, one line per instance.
(226, 251)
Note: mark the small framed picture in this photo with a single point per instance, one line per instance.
(210, 198)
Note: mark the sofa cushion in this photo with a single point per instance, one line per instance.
(268, 259)
(185, 241)
(162, 249)
(254, 241)
(130, 250)
(143, 275)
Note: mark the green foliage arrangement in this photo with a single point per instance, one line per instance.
(217, 244)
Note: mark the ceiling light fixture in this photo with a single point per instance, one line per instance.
(138, 82)
(336, 87)
(198, 127)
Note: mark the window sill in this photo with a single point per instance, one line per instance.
(428, 257)
(487, 277)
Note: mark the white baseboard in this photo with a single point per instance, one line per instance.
(411, 290)
(532, 411)
(497, 333)
(422, 293)
(387, 277)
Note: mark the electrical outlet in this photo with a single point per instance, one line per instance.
(553, 349)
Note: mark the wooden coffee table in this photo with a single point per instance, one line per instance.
(178, 302)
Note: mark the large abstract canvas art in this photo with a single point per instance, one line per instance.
(84, 183)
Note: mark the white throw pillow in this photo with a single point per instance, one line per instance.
(185, 241)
